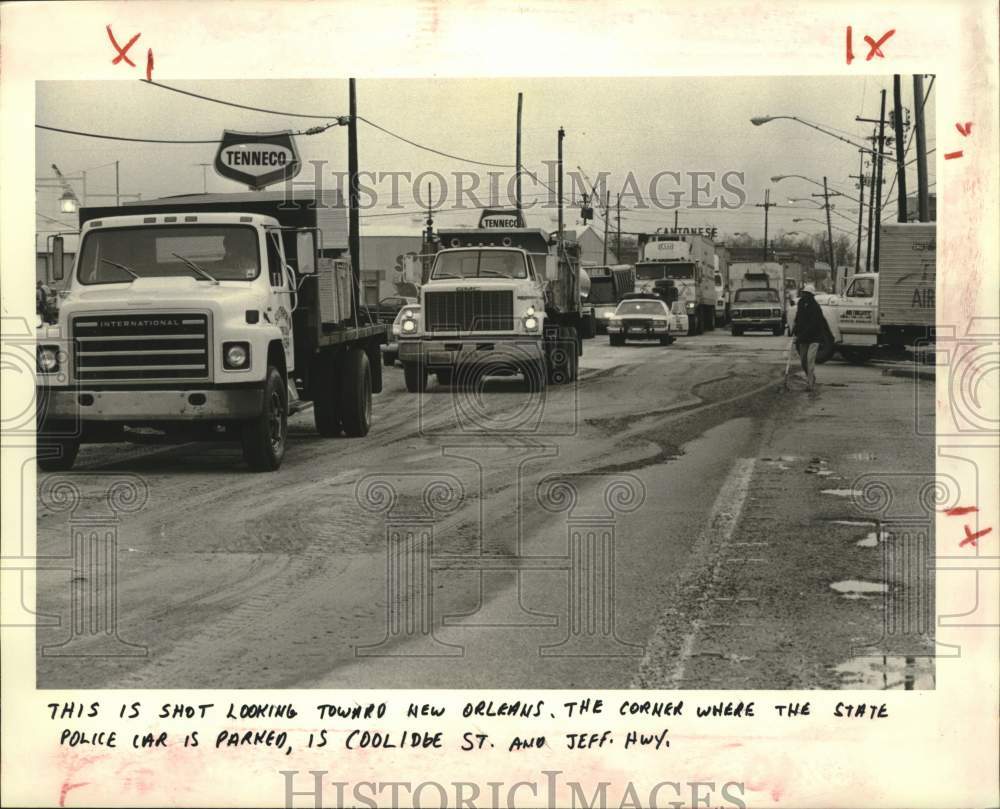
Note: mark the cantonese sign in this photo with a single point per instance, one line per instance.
(257, 159)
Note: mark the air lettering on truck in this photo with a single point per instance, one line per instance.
(923, 298)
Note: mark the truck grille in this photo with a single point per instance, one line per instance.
(470, 310)
(756, 313)
(141, 348)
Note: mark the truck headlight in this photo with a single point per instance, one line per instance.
(776, 312)
(530, 323)
(408, 326)
(235, 356)
(690, 305)
(48, 359)
(530, 311)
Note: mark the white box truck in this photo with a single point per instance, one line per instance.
(757, 301)
(685, 262)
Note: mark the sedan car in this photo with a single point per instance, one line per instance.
(640, 318)
(390, 351)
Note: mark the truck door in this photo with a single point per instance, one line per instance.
(857, 309)
(282, 295)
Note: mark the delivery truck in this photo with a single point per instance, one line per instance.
(608, 285)
(501, 298)
(686, 260)
(209, 316)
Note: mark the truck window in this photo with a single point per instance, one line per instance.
(861, 288)
(756, 296)
(274, 266)
(480, 264)
(226, 252)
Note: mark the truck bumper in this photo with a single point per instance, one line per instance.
(757, 323)
(447, 353)
(209, 404)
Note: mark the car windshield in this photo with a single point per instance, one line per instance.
(480, 264)
(117, 255)
(656, 271)
(757, 296)
(640, 308)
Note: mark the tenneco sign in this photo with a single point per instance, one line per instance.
(257, 159)
(501, 219)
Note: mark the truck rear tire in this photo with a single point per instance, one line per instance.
(737, 331)
(264, 437)
(60, 453)
(326, 398)
(616, 340)
(444, 376)
(693, 326)
(777, 331)
(356, 393)
(562, 357)
(415, 376)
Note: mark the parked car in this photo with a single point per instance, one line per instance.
(390, 351)
(645, 317)
(385, 310)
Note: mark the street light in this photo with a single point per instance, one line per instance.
(68, 202)
(819, 222)
(763, 119)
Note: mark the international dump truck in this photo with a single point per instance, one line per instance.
(894, 307)
(686, 262)
(757, 296)
(501, 298)
(608, 285)
(207, 317)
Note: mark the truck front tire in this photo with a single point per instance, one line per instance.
(415, 376)
(264, 437)
(825, 351)
(737, 331)
(356, 393)
(59, 453)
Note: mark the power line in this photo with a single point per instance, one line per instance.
(312, 131)
(234, 104)
(433, 150)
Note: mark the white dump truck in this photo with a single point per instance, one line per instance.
(207, 317)
(685, 262)
(502, 298)
(608, 285)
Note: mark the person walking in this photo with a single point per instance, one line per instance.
(809, 331)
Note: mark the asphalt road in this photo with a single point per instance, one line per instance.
(493, 538)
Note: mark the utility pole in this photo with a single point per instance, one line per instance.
(766, 204)
(559, 185)
(520, 99)
(118, 200)
(353, 195)
(871, 209)
(618, 216)
(676, 212)
(923, 197)
(607, 205)
(897, 116)
(428, 239)
(861, 209)
(829, 230)
(874, 224)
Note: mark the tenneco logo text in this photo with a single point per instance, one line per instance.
(257, 159)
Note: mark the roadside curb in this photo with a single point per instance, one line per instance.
(910, 373)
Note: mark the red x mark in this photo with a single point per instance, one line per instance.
(970, 538)
(876, 47)
(953, 155)
(959, 510)
(122, 52)
(964, 129)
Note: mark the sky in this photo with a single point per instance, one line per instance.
(641, 126)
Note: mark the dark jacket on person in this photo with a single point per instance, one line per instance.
(810, 325)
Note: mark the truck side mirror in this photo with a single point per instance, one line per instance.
(58, 256)
(305, 251)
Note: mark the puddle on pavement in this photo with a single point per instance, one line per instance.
(853, 522)
(887, 672)
(842, 492)
(852, 588)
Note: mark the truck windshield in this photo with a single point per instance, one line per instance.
(602, 290)
(480, 264)
(756, 296)
(678, 271)
(640, 308)
(226, 252)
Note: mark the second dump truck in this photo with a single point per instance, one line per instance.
(501, 298)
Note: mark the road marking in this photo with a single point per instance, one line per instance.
(718, 530)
